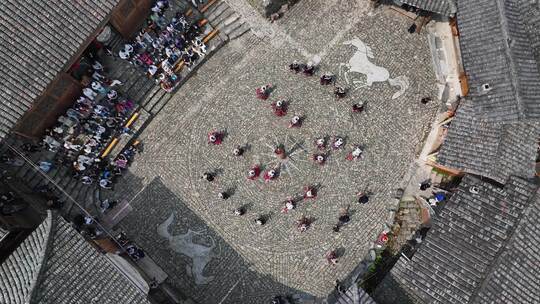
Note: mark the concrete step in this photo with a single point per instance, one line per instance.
(144, 90)
(155, 90)
(235, 18)
(180, 5)
(218, 21)
(136, 87)
(229, 28)
(68, 203)
(154, 100)
(73, 183)
(131, 82)
(244, 28)
(160, 103)
(122, 70)
(215, 10)
(117, 42)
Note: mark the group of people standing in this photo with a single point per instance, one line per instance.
(162, 45)
(280, 108)
(81, 135)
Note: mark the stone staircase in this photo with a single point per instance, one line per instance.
(223, 17)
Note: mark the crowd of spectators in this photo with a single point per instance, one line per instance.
(82, 134)
(161, 45)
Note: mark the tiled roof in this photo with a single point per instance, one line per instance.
(531, 17)
(56, 265)
(493, 150)
(473, 239)
(3, 233)
(496, 50)
(37, 39)
(516, 278)
(443, 7)
(19, 271)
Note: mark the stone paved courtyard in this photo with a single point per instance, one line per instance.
(250, 263)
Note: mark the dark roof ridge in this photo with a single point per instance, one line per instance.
(44, 255)
(510, 58)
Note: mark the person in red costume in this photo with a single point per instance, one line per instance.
(254, 172)
(269, 175)
(279, 107)
(215, 137)
(263, 92)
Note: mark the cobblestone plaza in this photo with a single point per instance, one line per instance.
(248, 263)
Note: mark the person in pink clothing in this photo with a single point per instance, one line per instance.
(254, 172)
(215, 137)
(270, 175)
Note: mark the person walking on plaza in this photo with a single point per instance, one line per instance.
(331, 257)
(340, 92)
(320, 143)
(319, 159)
(279, 151)
(309, 69)
(239, 211)
(223, 195)
(363, 197)
(355, 154)
(208, 176)
(238, 151)
(260, 220)
(295, 66)
(358, 107)
(326, 78)
(310, 192)
(343, 218)
(338, 143)
(303, 223)
(270, 175)
(425, 185)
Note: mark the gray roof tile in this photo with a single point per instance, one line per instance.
(516, 278)
(470, 253)
(494, 150)
(56, 265)
(443, 7)
(41, 36)
(496, 50)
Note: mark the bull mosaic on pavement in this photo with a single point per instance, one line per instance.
(193, 235)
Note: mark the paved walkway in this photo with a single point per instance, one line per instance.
(228, 259)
